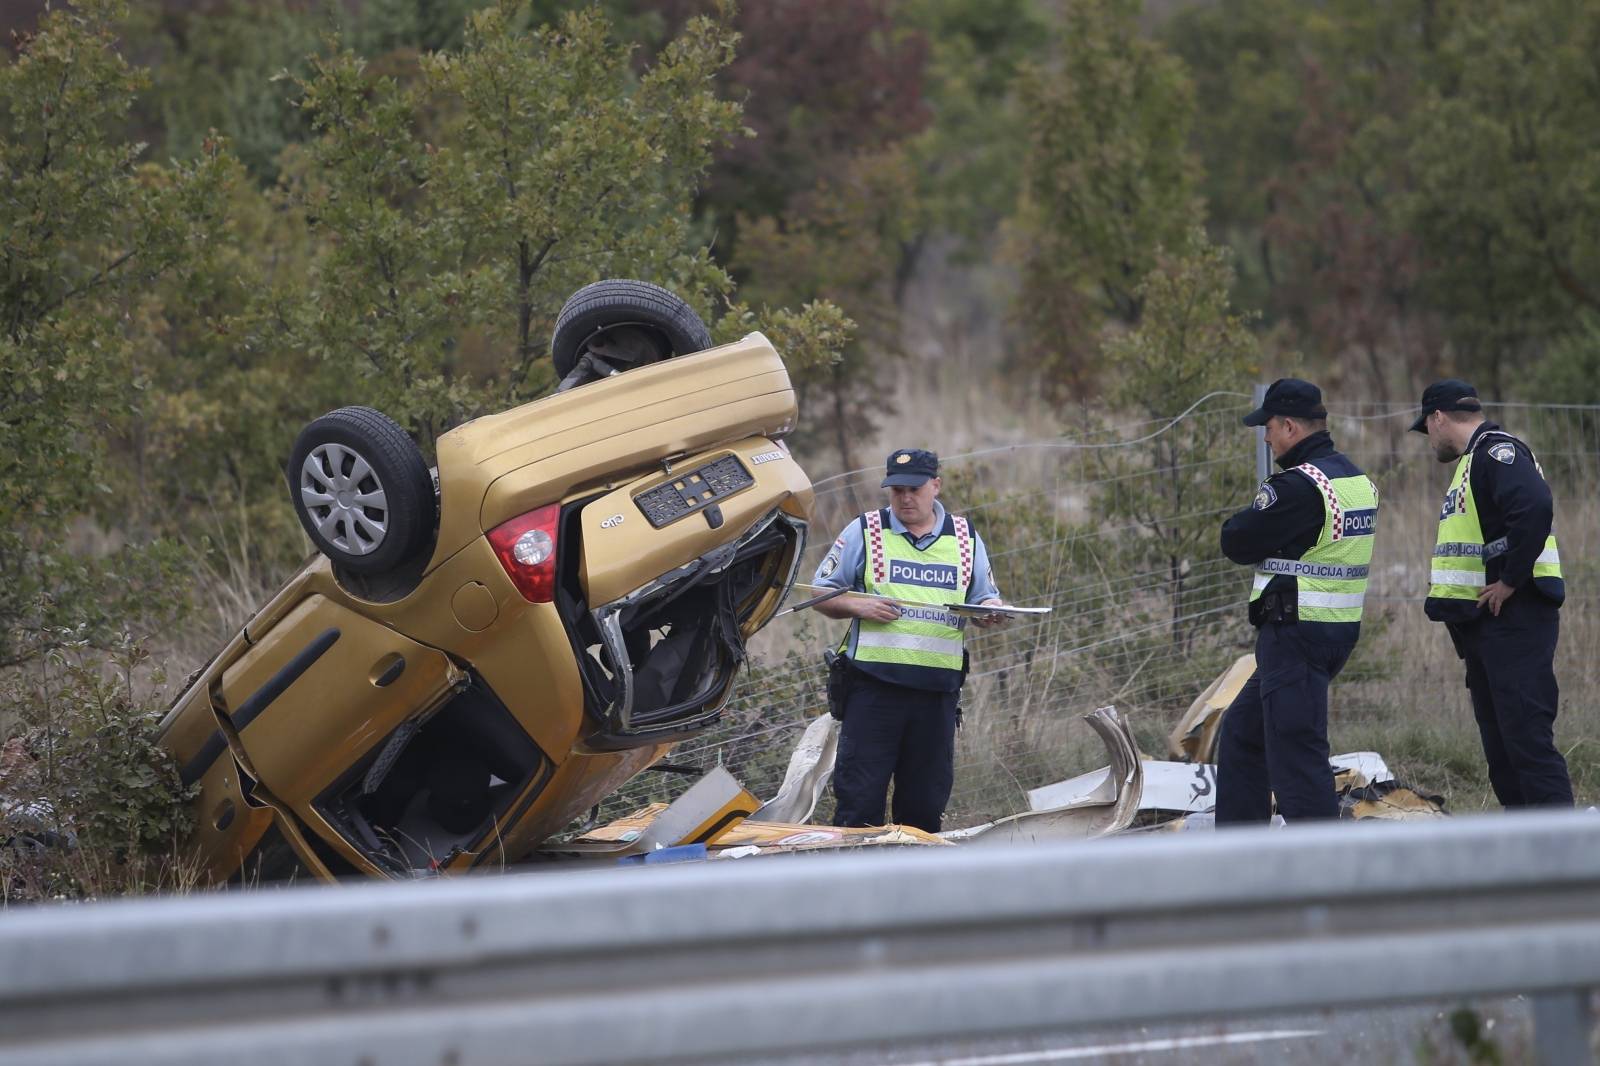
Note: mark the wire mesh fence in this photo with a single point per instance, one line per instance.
(1115, 528)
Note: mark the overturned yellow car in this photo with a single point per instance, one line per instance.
(481, 652)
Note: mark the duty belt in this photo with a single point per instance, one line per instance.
(1299, 568)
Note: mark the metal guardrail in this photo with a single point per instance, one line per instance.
(758, 959)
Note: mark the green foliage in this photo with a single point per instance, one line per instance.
(90, 804)
(1508, 202)
(1190, 342)
(380, 26)
(818, 92)
(966, 158)
(1245, 60)
(85, 230)
(1570, 370)
(1409, 185)
(844, 241)
(458, 209)
(1466, 1025)
(213, 70)
(1108, 180)
(811, 338)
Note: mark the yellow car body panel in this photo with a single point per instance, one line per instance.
(228, 826)
(376, 676)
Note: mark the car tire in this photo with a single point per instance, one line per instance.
(361, 490)
(605, 305)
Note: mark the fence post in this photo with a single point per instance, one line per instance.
(1263, 453)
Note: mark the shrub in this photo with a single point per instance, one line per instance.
(90, 804)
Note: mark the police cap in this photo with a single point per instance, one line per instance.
(1288, 398)
(1451, 394)
(910, 467)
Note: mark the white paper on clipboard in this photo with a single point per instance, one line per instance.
(979, 609)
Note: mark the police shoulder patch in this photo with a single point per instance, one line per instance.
(1266, 497)
(1504, 453)
(829, 565)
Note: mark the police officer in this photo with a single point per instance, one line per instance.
(1309, 535)
(1497, 587)
(906, 664)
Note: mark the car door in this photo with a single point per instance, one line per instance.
(317, 691)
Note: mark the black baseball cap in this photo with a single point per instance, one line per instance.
(1288, 398)
(1451, 394)
(910, 467)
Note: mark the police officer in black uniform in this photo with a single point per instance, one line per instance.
(1274, 736)
(1503, 612)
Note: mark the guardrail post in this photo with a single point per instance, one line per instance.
(1562, 1023)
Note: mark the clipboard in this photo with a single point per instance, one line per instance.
(971, 610)
(1005, 609)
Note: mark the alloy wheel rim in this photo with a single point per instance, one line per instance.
(345, 499)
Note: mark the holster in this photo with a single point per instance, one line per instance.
(1274, 608)
(839, 671)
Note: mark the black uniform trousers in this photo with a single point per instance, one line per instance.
(908, 734)
(1511, 675)
(1274, 738)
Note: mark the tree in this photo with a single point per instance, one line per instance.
(817, 92)
(1189, 345)
(1505, 156)
(1108, 179)
(85, 230)
(820, 199)
(966, 157)
(210, 66)
(844, 242)
(1247, 60)
(457, 210)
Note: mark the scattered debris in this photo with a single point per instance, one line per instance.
(1130, 794)
(1389, 800)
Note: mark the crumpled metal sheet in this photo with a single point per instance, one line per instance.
(1107, 809)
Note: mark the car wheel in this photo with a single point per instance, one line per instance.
(361, 490)
(607, 308)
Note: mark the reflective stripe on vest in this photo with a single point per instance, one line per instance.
(921, 639)
(1460, 556)
(1331, 577)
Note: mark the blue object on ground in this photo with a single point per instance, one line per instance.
(680, 853)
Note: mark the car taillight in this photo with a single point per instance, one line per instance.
(526, 546)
